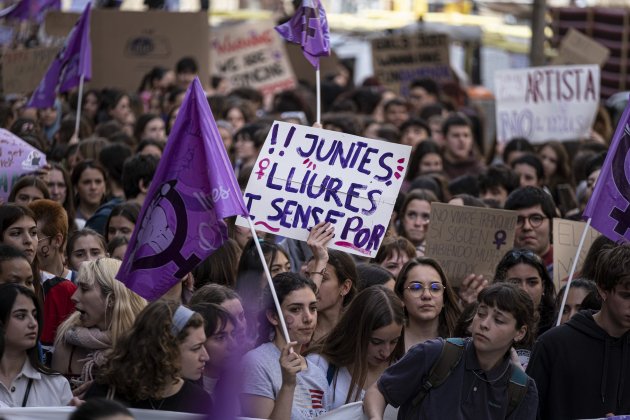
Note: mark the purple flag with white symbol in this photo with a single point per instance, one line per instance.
(31, 9)
(309, 28)
(609, 206)
(193, 190)
(73, 61)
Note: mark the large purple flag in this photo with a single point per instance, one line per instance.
(193, 190)
(309, 28)
(73, 61)
(31, 9)
(609, 206)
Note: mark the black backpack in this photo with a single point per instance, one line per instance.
(449, 358)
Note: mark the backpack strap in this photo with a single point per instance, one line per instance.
(517, 389)
(449, 358)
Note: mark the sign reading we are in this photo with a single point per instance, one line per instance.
(305, 175)
(546, 103)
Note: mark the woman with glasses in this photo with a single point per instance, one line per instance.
(482, 383)
(414, 218)
(430, 304)
(362, 344)
(525, 269)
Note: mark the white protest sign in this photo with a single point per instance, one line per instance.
(546, 103)
(305, 175)
(251, 54)
(469, 240)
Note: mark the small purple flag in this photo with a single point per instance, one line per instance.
(73, 61)
(31, 9)
(193, 190)
(609, 206)
(309, 28)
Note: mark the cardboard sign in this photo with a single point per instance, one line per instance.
(577, 48)
(467, 240)
(566, 238)
(304, 70)
(251, 54)
(399, 59)
(305, 175)
(22, 70)
(546, 103)
(139, 42)
(17, 158)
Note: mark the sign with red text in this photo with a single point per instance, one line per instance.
(546, 103)
(566, 238)
(305, 175)
(252, 55)
(469, 240)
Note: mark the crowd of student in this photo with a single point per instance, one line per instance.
(360, 330)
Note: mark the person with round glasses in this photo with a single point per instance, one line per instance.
(535, 211)
(429, 301)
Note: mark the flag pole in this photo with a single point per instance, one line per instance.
(269, 281)
(319, 96)
(79, 103)
(572, 272)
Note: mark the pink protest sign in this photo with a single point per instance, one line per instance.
(17, 158)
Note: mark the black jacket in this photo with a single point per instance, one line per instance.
(581, 371)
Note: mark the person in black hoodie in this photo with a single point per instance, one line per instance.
(582, 368)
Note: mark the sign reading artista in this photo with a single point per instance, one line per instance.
(401, 58)
(469, 240)
(251, 55)
(546, 103)
(305, 175)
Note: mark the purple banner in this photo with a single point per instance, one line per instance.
(609, 206)
(31, 9)
(309, 28)
(74, 60)
(17, 158)
(181, 221)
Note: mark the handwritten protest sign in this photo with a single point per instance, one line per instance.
(545, 103)
(304, 175)
(566, 238)
(251, 54)
(399, 59)
(16, 158)
(466, 240)
(22, 70)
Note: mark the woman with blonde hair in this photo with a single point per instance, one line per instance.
(105, 309)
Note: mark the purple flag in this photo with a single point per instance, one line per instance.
(309, 28)
(609, 206)
(73, 61)
(17, 158)
(193, 190)
(31, 9)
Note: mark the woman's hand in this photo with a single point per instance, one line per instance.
(291, 363)
(471, 287)
(76, 402)
(318, 237)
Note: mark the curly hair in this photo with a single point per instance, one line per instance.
(146, 360)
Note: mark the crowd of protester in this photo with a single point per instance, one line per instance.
(359, 329)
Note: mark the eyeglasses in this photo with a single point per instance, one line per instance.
(424, 217)
(416, 289)
(534, 220)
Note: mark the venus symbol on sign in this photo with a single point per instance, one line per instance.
(499, 238)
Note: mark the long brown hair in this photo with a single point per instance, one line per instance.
(347, 343)
(450, 311)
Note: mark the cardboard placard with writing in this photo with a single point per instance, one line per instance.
(467, 240)
(251, 54)
(127, 45)
(304, 175)
(401, 58)
(17, 158)
(304, 70)
(22, 70)
(546, 103)
(577, 48)
(566, 238)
